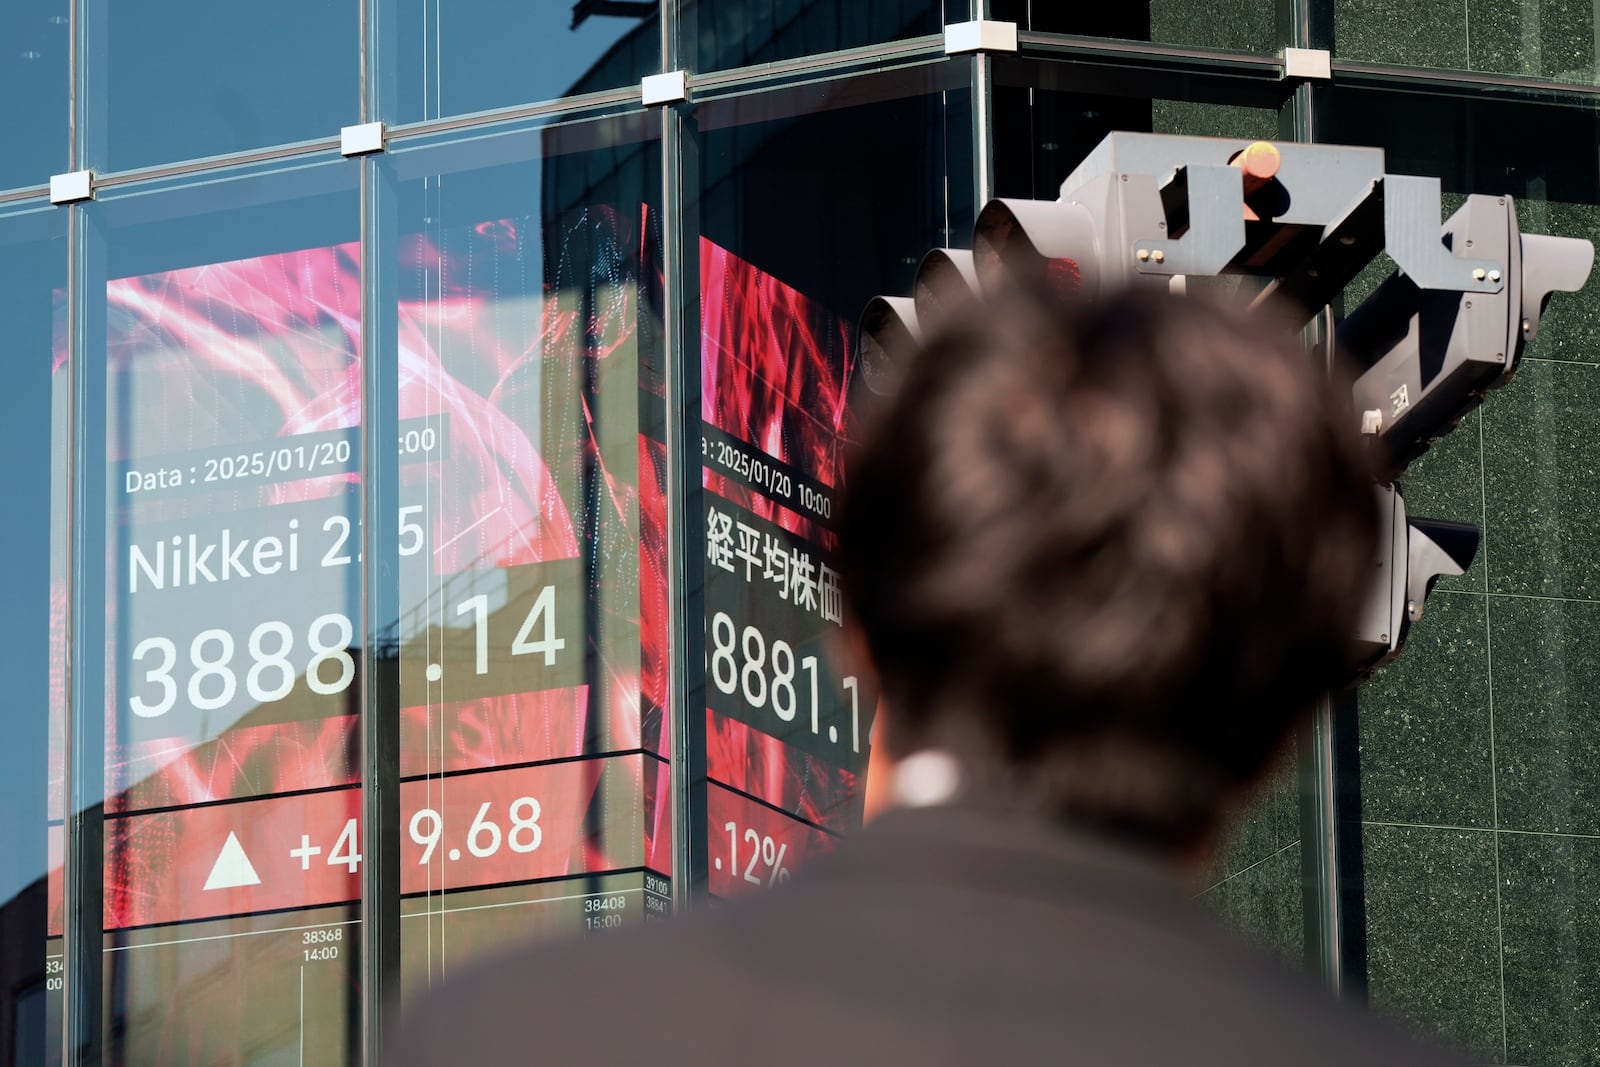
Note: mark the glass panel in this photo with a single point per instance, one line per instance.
(1479, 773)
(34, 68)
(718, 34)
(1048, 118)
(1233, 25)
(33, 276)
(787, 261)
(454, 57)
(533, 646)
(230, 313)
(1534, 38)
(187, 78)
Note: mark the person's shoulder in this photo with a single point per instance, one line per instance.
(923, 941)
(1344, 1032)
(589, 998)
(1280, 1013)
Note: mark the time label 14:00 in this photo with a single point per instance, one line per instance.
(764, 673)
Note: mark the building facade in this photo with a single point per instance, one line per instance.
(419, 533)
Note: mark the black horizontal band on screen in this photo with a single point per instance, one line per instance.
(548, 879)
(219, 802)
(354, 902)
(587, 756)
(773, 807)
(227, 937)
(293, 909)
(165, 808)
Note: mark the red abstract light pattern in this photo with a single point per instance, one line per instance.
(776, 368)
(775, 371)
(506, 331)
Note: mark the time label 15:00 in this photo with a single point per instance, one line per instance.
(275, 662)
(764, 674)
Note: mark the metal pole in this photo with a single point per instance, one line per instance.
(380, 588)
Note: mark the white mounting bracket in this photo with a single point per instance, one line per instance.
(1310, 64)
(984, 35)
(669, 88)
(71, 188)
(361, 140)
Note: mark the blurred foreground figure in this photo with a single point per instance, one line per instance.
(1102, 565)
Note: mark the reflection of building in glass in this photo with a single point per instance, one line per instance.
(23, 979)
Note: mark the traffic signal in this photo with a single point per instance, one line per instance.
(1149, 210)
(1412, 555)
(1430, 352)
(946, 282)
(887, 331)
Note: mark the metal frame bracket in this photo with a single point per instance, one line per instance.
(1308, 64)
(659, 89)
(982, 35)
(361, 140)
(72, 187)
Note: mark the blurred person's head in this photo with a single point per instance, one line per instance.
(1108, 556)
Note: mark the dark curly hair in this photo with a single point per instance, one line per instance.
(1110, 554)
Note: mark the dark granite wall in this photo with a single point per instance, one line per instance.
(1235, 25)
(1552, 39)
(1480, 747)
(1255, 884)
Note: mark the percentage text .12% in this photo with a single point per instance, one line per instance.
(765, 856)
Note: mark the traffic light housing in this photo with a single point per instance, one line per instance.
(1431, 353)
(1150, 210)
(1412, 555)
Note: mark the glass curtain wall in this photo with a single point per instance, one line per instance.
(223, 319)
(483, 487)
(524, 279)
(875, 170)
(33, 286)
(34, 67)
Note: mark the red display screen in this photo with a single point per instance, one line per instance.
(758, 847)
(232, 529)
(530, 643)
(300, 850)
(788, 733)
